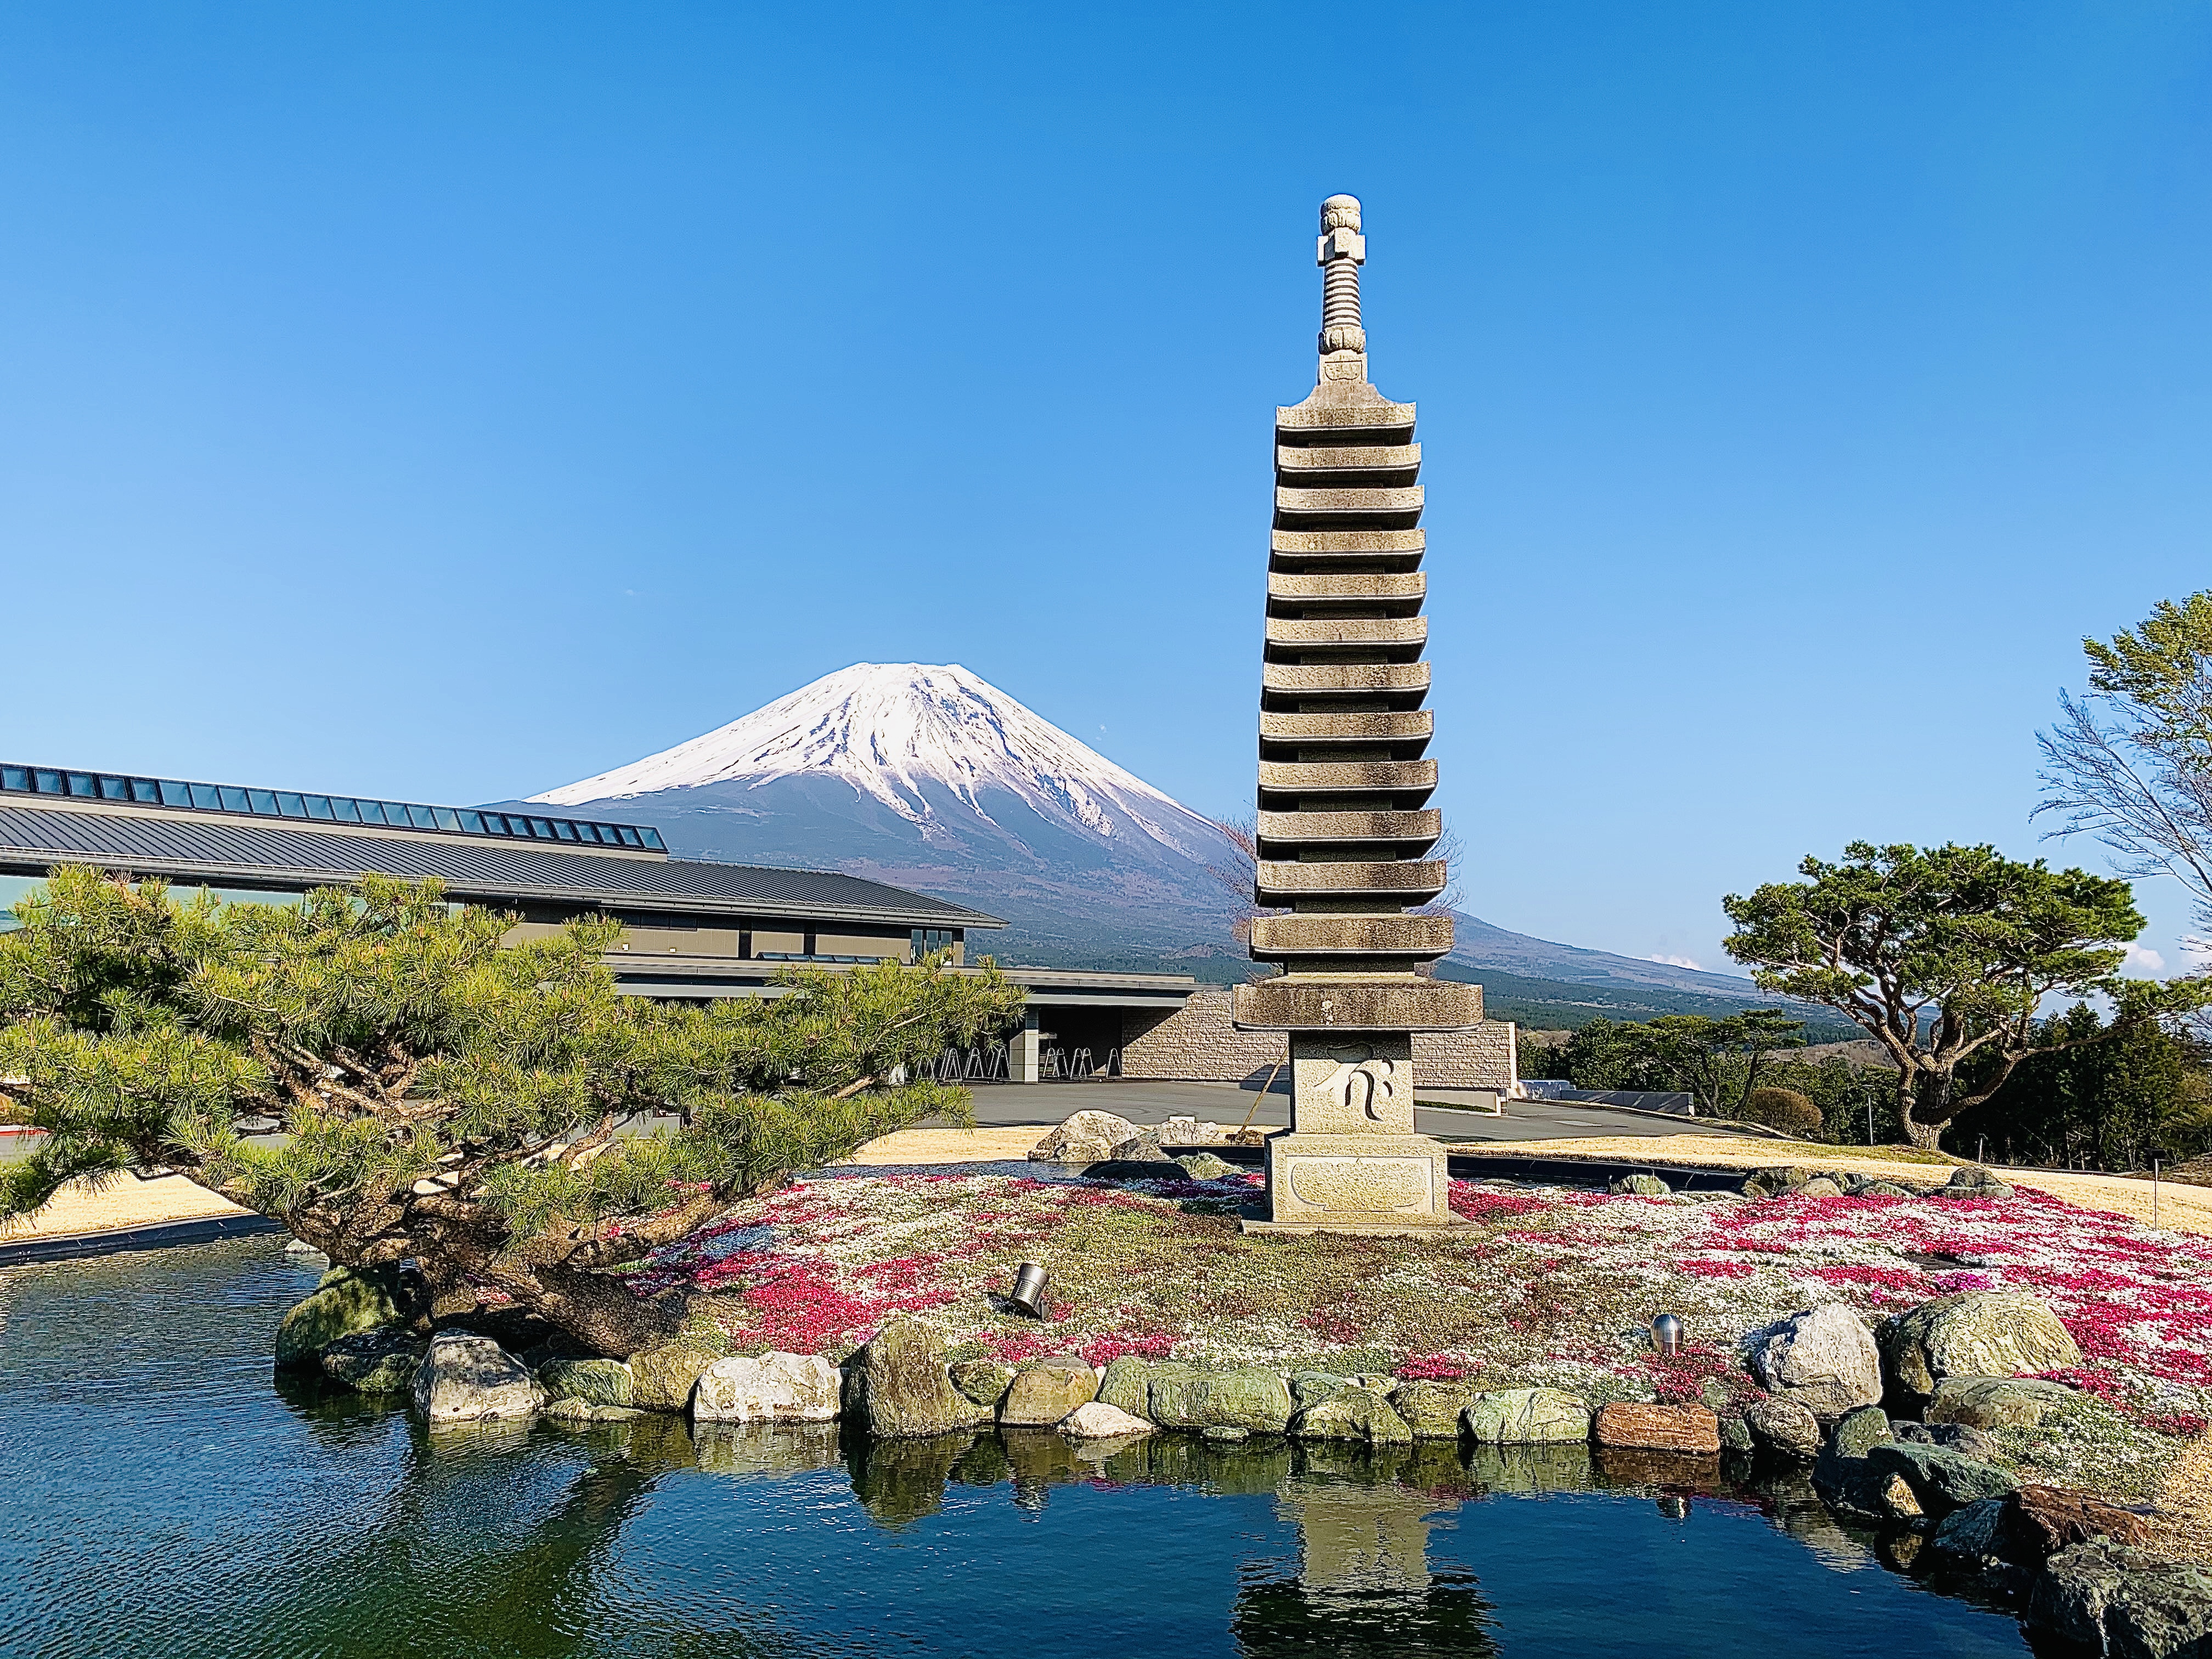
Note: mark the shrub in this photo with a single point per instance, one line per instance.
(1784, 1109)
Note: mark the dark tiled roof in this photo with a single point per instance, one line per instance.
(239, 855)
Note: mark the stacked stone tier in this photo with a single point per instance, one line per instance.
(1345, 827)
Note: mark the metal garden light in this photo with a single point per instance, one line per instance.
(1028, 1294)
(1667, 1335)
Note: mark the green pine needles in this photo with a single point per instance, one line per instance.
(373, 1069)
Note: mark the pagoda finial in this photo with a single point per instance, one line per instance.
(1342, 250)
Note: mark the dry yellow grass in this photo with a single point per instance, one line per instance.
(2186, 1209)
(2183, 1524)
(951, 1145)
(129, 1202)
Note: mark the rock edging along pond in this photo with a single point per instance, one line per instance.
(1934, 1418)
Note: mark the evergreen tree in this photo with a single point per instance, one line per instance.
(375, 1071)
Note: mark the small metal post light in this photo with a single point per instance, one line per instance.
(1028, 1294)
(1667, 1335)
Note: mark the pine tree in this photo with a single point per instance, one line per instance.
(374, 1069)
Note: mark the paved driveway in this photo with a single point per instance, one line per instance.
(1228, 1104)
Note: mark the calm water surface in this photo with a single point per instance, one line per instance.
(163, 1496)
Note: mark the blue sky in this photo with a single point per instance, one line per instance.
(448, 402)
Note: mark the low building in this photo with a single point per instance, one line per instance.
(692, 928)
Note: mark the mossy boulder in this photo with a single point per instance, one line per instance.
(662, 1378)
(1941, 1481)
(1640, 1185)
(346, 1302)
(1043, 1391)
(1204, 1166)
(1351, 1415)
(1997, 1402)
(594, 1382)
(1518, 1417)
(380, 1361)
(1312, 1388)
(1431, 1410)
(1842, 1475)
(1974, 1334)
(1127, 1384)
(897, 1387)
(1180, 1397)
(982, 1381)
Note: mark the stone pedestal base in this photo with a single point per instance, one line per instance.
(1366, 1183)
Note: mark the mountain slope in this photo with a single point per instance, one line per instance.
(930, 777)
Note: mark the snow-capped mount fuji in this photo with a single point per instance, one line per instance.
(931, 777)
(892, 730)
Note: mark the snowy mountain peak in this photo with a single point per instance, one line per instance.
(891, 729)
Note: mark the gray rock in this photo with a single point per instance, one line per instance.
(1973, 1534)
(380, 1361)
(1997, 1402)
(772, 1387)
(1083, 1138)
(346, 1302)
(1521, 1417)
(2124, 1601)
(1142, 1147)
(1882, 1189)
(1096, 1420)
(1974, 1334)
(984, 1381)
(594, 1382)
(1641, 1186)
(1431, 1410)
(1824, 1358)
(1735, 1433)
(1820, 1187)
(1941, 1481)
(1785, 1427)
(471, 1379)
(1952, 1436)
(1973, 1181)
(1842, 1475)
(1351, 1415)
(1775, 1180)
(897, 1388)
(1225, 1437)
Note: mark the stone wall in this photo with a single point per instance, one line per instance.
(1197, 1044)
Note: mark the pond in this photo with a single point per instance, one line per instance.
(166, 1497)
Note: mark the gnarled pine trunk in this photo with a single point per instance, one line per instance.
(1926, 1103)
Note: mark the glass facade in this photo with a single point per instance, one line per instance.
(335, 810)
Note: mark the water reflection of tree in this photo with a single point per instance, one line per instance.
(447, 1566)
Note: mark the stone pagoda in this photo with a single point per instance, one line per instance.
(1344, 826)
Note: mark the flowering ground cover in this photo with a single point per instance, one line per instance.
(1541, 1284)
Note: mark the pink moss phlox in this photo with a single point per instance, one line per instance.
(1105, 1350)
(1439, 1368)
(1472, 1203)
(1680, 1378)
(1706, 1267)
